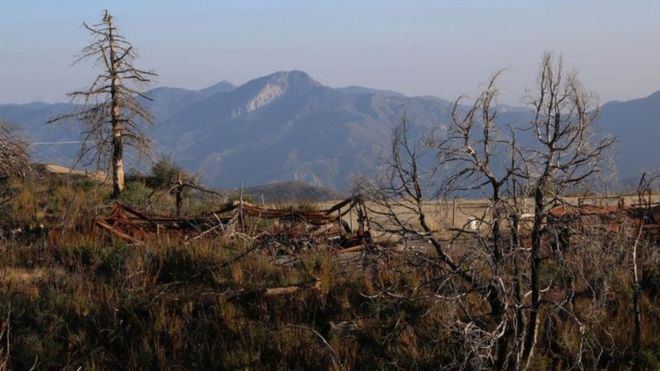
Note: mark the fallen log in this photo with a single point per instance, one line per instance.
(117, 233)
(274, 291)
(351, 249)
(288, 290)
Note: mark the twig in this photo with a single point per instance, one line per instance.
(333, 354)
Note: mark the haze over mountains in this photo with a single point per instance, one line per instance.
(287, 126)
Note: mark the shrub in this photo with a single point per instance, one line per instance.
(163, 173)
(137, 193)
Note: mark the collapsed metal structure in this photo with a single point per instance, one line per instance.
(293, 227)
(570, 220)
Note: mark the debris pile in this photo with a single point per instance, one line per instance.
(608, 218)
(280, 230)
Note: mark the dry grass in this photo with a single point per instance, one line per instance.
(443, 216)
(58, 169)
(100, 305)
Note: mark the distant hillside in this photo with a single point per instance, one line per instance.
(167, 101)
(288, 192)
(636, 125)
(288, 127)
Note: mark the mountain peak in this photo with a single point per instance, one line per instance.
(221, 87)
(655, 96)
(273, 86)
(293, 78)
(354, 89)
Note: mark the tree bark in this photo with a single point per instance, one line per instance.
(535, 262)
(118, 179)
(111, 114)
(179, 194)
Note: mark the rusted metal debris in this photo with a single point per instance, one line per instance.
(291, 228)
(609, 217)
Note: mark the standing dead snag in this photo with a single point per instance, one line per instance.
(111, 113)
(564, 155)
(398, 199)
(180, 184)
(523, 285)
(645, 208)
(474, 155)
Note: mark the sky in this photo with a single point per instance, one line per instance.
(444, 48)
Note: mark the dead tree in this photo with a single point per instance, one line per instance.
(399, 207)
(111, 114)
(563, 155)
(469, 157)
(14, 152)
(179, 186)
(644, 215)
(477, 155)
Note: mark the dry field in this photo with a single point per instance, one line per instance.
(58, 169)
(444, 216)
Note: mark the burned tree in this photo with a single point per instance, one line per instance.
(498, 267)
(183, 182)
(14, 155)
(564, 154)
(644, 199)
(462, 273)
(477, 154)
(111, 114)
(471, 157)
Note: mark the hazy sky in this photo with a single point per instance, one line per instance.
(442, 48)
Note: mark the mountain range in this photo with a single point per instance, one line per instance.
(288, 127)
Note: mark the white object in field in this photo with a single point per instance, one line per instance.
(527, 216)
(526, 220)
(473, 223)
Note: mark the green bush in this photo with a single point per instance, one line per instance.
(163, 173)
(137, 193)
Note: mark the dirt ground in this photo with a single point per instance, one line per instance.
(58, 169)
(443, 216)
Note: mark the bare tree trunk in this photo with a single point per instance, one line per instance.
(111, 113)
(118, 182)
(519, 319)
(498, 308)
(645, 204)
(637, 335)
(535, 262)
(497, 248)
(179, 194)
